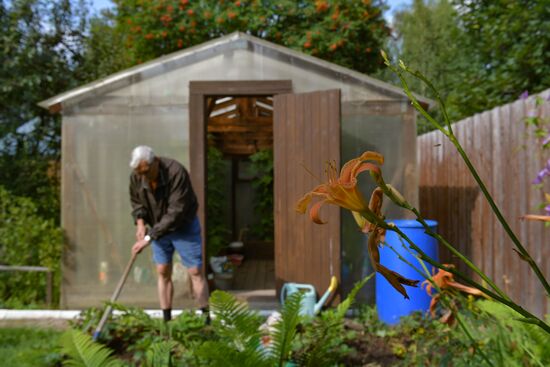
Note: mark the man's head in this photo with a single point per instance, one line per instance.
(144, 163)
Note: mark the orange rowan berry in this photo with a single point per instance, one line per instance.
(321, 6)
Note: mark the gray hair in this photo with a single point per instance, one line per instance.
(141, 153)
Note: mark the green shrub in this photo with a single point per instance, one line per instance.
(262, 168)
(217, 235)
(26, 238)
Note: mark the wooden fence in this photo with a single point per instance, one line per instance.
(507, 160)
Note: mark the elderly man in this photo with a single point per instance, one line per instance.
(162, 198)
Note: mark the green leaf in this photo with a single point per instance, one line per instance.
(83, 352)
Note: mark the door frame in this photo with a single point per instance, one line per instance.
(198, 92)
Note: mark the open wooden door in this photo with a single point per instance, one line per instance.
(306, 135)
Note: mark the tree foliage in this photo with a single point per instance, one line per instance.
(346, 32)
(479, 54)
(42, 45)
(511, 40)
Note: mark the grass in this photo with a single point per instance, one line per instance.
(29, 347)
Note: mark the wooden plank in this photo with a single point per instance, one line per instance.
(497, 194)
(251, 129)
(279, 121)
(334, 126)
(197, 166)
(533, 164)
(241, 87)
(507, 205)
(477, 215)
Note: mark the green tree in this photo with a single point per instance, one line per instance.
(479, 54)
(41, 44)
(511, 42)
(429, 39)
(346, 32)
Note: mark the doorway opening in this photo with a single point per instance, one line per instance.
(240, 247)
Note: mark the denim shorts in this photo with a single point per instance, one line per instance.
(187, 241)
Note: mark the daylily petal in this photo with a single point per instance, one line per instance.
(448, 317)
(372, 156)
(302, 204)
(396, 279)
(542, 218)
(466, 289)
(350, 169)
(433, 303)
(376, 199)
(314, 212)
(372, 248)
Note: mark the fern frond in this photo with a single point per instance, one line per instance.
(160, 354)
(285, 330)
(234, 321)
(223, 354)
(325, 330)
(348, 302)
(83, 352)
(531, 338)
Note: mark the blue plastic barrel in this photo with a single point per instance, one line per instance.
(391, 304)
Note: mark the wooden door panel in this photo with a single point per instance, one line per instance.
(306, 134)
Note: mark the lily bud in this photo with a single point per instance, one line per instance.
(396, 196)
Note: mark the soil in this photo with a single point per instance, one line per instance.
(370, 350)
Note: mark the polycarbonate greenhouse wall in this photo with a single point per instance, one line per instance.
(148, 104)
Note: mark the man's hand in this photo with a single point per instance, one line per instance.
(141, 230)
(138, 246)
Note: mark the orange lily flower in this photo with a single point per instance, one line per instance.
(445, 281)
(342, 191)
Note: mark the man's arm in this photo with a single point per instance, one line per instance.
(138, 210)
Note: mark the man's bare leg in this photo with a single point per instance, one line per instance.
(200, 286)
(165, 289)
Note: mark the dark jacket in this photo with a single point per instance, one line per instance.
(171, 206)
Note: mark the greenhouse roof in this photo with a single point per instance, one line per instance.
(233, 41)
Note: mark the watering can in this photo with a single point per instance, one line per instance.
(309, 305)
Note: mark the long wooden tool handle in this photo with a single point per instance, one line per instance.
(114, 297)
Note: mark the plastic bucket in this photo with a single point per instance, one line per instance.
(390, 304)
